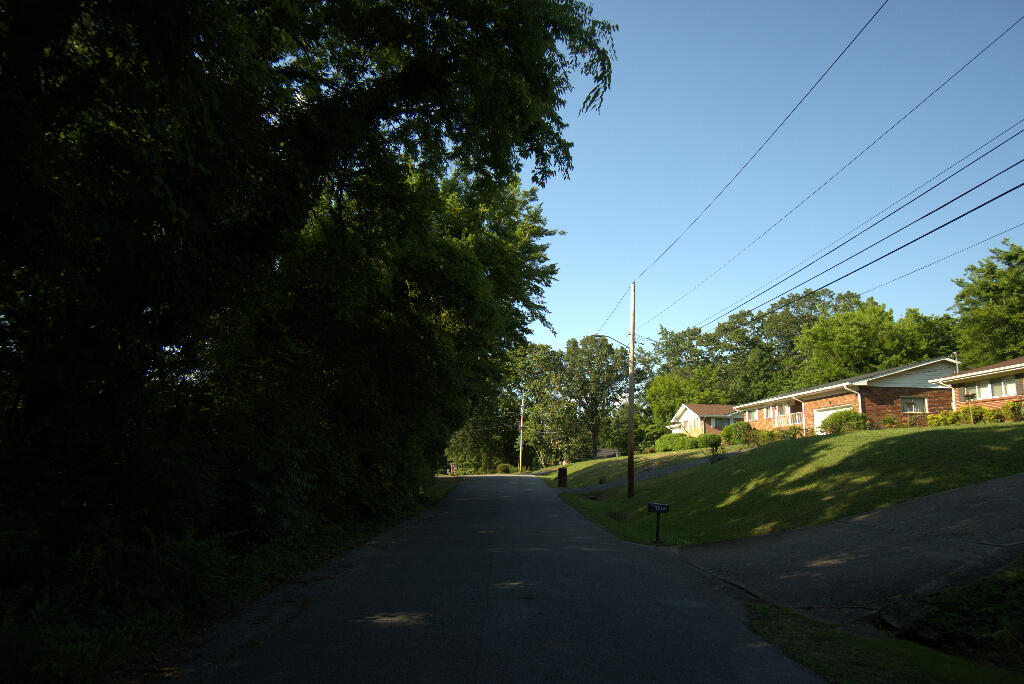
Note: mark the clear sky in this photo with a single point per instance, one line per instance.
(698, 86)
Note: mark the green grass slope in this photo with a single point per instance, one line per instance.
(596, 471)
(808, 481)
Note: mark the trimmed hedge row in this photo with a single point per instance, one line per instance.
(1012, 412)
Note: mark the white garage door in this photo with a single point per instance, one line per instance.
(823, 413)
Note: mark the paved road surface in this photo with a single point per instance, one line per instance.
(501, 582)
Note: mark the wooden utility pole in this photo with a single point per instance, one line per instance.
(632, 335)
(522, 413)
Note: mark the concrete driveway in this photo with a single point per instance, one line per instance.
(857, 565)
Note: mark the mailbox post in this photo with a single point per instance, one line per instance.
(657, 508)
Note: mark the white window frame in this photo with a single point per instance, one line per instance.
(924, 401)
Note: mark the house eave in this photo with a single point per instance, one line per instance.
(973, 375)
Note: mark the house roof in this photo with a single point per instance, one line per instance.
(991, 369)
(711, 410)
(862, 379)
(703, 411)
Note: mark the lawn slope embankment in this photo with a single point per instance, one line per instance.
(808, 481)
(602, 470)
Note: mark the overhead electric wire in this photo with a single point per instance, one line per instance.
(832, 177)
(948, 256)
(614, 309)
(761, 147)
(735, 307)
(898, 230)
(805, 295)
(746, 163)
(805, 263)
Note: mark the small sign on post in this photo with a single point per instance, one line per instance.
(658, 508)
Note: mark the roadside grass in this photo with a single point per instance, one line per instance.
(67, 639)
(982, 621)
(600, 470)
(808, 481)
(839, 656)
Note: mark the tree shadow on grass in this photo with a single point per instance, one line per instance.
(817, 479)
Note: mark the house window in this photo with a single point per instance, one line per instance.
(913, 405)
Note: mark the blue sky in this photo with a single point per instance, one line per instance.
(697, 87)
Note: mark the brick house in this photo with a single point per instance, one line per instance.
(698, 419)
(991, 386)
(905, 392)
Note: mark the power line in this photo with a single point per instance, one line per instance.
(832, 177)
(948, 256)
(889, 253)
(614, 309)
(876, 242)
(805, 263)
(758, 150)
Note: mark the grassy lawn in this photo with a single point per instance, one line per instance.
(587, 473)
(983, 621)
(807, 481)
(839, 656)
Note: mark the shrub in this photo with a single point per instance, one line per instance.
(503, 468)
(892, 421)
(792, 432)
(673, 442)
(943, 418)
(737, 433)
(968, 415)
(712, 442)
(1013, 411)
(845, 421)
(992, 415)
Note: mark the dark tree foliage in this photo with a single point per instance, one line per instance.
(259, 259)
(990, 305)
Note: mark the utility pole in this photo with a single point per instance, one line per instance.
(632, 336)
(522, 413)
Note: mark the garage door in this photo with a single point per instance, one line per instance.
(823, 413)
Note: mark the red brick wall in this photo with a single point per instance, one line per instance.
(994, 402)
(880, 402)
(809, 407)
(762, 423)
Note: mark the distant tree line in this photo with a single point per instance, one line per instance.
(801, 340)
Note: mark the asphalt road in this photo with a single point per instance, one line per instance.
(500, 582)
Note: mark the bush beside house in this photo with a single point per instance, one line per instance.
(845, 421)
(675, 442)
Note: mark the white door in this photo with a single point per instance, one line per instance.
(821, 414)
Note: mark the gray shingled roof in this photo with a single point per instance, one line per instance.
(992, 366)
(849, 381)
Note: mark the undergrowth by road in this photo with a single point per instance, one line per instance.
(134, 639)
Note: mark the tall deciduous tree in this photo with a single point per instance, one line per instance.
(594, 379)
(241, 286)
(990, 305)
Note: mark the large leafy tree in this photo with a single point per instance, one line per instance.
(865, 337)
(750, 354)
(593, 379)
(261, 259)
(990, 306)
